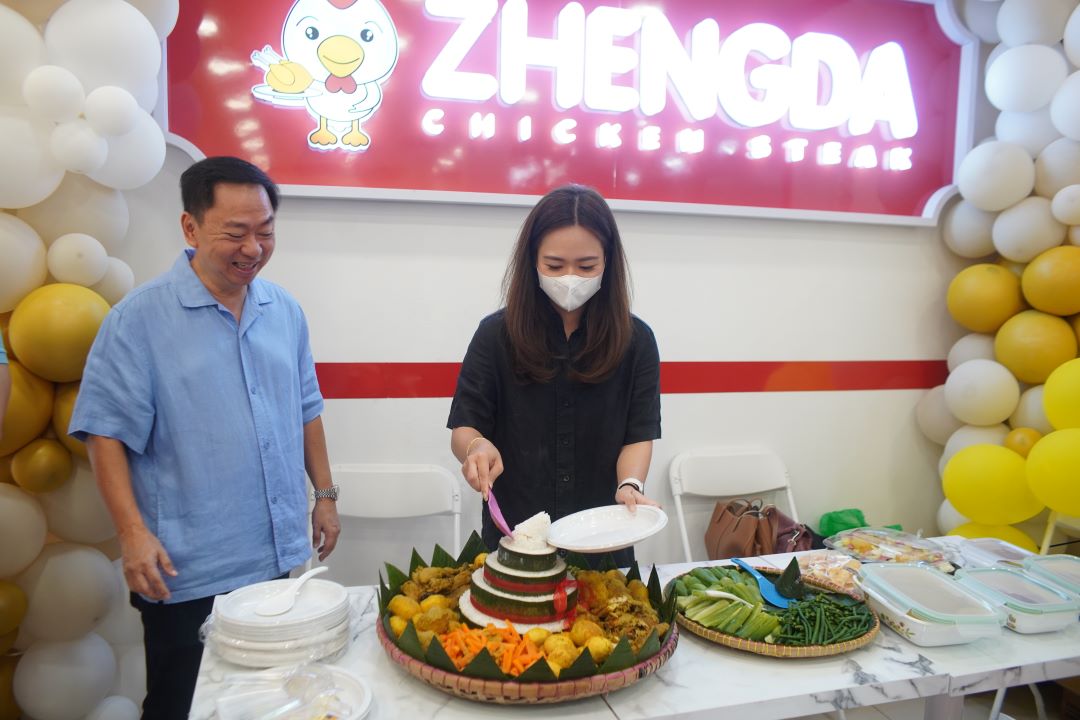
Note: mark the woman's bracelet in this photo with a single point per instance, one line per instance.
(468, 448)
(632, 482)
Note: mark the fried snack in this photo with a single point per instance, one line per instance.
(436, 619)
(584, 630)
(403, 606)
(599, 647)
(620, 609)
(398, 624)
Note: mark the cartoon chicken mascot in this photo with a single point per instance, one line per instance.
(337, 54)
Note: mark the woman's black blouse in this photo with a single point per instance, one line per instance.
(560, 439)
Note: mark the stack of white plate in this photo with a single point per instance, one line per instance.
(316, 626)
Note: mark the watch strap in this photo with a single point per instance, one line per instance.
(632, 482)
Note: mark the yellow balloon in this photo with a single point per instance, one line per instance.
(1008, 533)
(1061, 396)
(986, 484)
(1021, 440)
(1032, 343)
(12, 606)
(1051, 282)
(982, 297)
(1075, 322)
(42, 466)
(1053, 471)
(63, 406)
(28, 411)
(9, 710)
(53, 328)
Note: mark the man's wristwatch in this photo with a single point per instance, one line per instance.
(632, 482)
(329, 493)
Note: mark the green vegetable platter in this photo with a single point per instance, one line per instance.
(723, 604)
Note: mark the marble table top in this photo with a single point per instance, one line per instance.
(702, 678)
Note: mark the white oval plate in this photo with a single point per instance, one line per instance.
(607, 528)
(317, 599)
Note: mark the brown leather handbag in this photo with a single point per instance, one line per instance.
(741, 528)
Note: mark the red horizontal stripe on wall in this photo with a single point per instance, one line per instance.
(340, 381)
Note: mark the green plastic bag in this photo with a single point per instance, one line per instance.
(840, 520)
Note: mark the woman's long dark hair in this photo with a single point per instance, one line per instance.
(606, 316)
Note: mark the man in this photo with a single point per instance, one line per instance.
(201, 411)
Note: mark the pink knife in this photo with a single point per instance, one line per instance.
(496, 514)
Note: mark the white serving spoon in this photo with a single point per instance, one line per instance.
(283, 601)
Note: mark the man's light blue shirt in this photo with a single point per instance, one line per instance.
(213, 418)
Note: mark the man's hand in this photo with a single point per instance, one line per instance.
(482, 466)
(325, 527)
(631, 498)
(142, 555)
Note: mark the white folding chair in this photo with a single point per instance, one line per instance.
(724, 472)
(388, 491)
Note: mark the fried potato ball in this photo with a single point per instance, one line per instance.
(436, 619)
(583, 630)
(638, 591)
(398, 624)
(538, 635)
(403, 606)
(599, 648)
(434, 601)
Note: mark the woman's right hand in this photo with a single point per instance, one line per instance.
(482, 466)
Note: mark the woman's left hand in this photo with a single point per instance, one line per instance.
(631, 498)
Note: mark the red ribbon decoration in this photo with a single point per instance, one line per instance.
(561, 591)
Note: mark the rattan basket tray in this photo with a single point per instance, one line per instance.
(785, 651)
(521, 693)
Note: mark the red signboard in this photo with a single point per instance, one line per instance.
(845, 107)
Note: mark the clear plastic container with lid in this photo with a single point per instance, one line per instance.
(927, 606)
(886, 545)
(1031, 605)
(1063, 570)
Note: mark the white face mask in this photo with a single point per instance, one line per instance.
(569, 291)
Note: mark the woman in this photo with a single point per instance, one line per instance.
(559, 393)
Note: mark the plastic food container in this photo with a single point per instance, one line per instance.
(885, 545)
(1030, 605)
(988, 552)
(927, 606)
(1062, 570)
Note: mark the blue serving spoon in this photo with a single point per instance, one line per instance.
(768, 590)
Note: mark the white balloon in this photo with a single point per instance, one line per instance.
(1032, 131)
(36, 11)
(1072, 38)
(111, 110)
(21, 50)
(969, 435)
(995, 175)
(118, 281)
(1074, 235)
(22, 529)
(135, 158)
(1033, 21)
(104, 42)
(1030, 413)
(1057, 166)
(162, 14)
(115, 707)
(69, 589)
(981, 18)
(23, 268)
(81, 205)
(994, 55)
(77, 148)
(1027, 229)
(1065, 206)
(28, 173)
(123, 624)
(970, 347)
(130, 673)
(933, 416)
(981, 392)
(948, 518)
(64, 680)
(1025, 78)
(1066, 106)
(53, 93)
(147, 95)
(77, 258)
(966, 230)
(75, 510)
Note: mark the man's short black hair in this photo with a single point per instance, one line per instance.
(198, 182)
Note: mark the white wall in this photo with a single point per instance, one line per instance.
(398, 282)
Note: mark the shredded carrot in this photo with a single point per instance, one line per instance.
(512, 652)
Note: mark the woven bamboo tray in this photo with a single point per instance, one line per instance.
(516, 693)
(786, 651)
